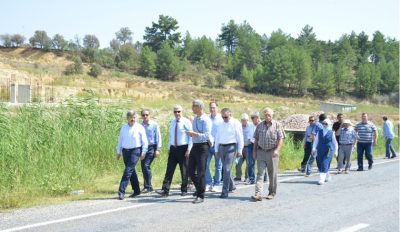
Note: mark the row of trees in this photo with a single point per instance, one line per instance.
(277, 64)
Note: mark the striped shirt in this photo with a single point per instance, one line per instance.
(365, 132)
(268, 136)
(347, 136)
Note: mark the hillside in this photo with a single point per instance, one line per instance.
(44, 70)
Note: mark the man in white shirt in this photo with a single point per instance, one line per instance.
(228, 142)
(180, 145)
(132, 142)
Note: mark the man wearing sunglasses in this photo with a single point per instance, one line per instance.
(180, 145)
(307, 143)
(228, 142)
(318, 127)
(154, 139)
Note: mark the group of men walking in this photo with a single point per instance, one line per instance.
(192, 145)
(193, 142)
(323, 140)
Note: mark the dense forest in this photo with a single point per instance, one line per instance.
(277, 64)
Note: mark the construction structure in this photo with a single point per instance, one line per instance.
(337, 107)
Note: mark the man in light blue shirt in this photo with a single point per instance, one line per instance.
(180, 145)
(154, 139)
(388, 134)
(202, 139)
(132, 142)
(216, 119)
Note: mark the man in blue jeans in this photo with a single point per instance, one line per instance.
(389, 135)
(213, 186)
(132, 142)
(367, 137)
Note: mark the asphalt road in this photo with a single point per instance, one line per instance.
(359, 201)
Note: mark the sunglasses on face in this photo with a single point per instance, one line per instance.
(311, 120)
(226, 117)
(143, 115)
(178, 111)
(325, 124)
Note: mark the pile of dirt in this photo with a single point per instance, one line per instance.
(299, 121)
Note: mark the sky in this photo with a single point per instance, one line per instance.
(330, 19)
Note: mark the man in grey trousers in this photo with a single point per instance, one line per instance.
(228, 142)
(268, 141)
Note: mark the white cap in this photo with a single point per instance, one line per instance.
(244, 116)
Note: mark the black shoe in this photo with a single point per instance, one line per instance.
(237, 179)
(223, 196)
(121, 196)
(360, 170)
(162, 193)
(194, 193)
(369, 167)
(393, 156)
(231, 190)
(183, 194)
(134, 195)
(198, 200)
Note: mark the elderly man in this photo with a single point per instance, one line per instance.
(347, 141)
(367, 137)
(268, 141)
(132, 142)
(216, 119)
(178, 152)
(228, 142)
(389, 135)
(154, 139)
(202, 141)
(247, 129)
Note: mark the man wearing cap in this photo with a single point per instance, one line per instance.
(132, 142)
(347, 141)
(202, 141)
(247, 130)
(178, 152)
(367, 137)
(228, 142)
(268, 141)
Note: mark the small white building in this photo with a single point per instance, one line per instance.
(337, 107)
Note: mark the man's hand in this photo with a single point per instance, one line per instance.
(238, 154)
(276, 153)
(142, 156)
(157, 154)
(117, 156)
(314, 153)
(192, 133)
(187, 153)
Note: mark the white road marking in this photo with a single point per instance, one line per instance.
(147, 204)
(354, 228)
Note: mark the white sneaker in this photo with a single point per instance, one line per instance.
(216, 189)
(208, 188)
(328, 177)
(322, 177)
(320, 182)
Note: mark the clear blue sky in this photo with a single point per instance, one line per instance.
(329, 18)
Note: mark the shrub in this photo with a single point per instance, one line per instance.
(95, 70)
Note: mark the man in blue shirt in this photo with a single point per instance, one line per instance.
(318, 126)
(216, 119)
(132, 142)
(389, 135)
(154, 139)
(202, 139)
(367, 137)
(180, 145)
(307, 143)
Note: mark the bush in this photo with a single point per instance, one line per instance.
(95, 70)
(75, 68)
(221, 81)
(210, 82)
